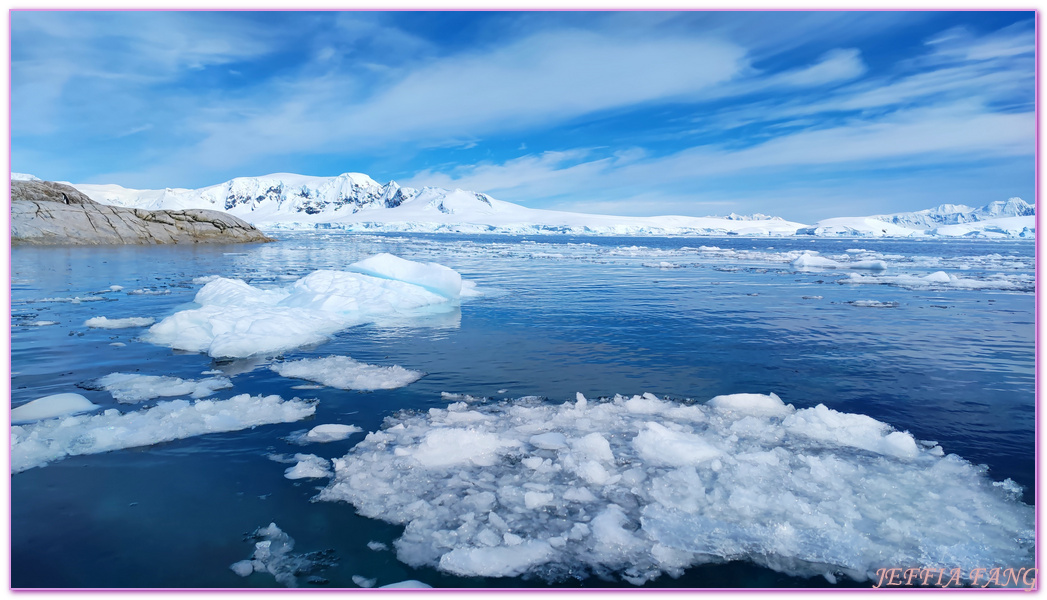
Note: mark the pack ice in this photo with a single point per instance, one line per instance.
(237, 320)
(39, 443)
(639, 487)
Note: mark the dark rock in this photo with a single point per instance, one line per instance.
(47, 213)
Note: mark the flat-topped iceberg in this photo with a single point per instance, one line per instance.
(237, 320)
(40, 443)
(134, 387)
(637, 487)
(348, 374)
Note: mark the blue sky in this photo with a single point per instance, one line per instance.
(804, 115)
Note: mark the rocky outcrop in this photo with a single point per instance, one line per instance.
(52, 214)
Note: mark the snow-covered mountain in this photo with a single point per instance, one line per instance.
(354, 201)
(1011, 218)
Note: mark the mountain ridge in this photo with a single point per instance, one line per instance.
(355, 201)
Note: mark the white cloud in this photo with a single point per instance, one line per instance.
(835, 66)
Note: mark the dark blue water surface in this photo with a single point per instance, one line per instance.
(561, 315)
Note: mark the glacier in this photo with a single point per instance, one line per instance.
(356, 202)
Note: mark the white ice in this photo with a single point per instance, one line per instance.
(309, 466)
(238, 320)
(105, 323)
(409, 584)
(52, 406)
(431, 276)
(322, 434)
(273, 555)
(348, 374)
(45, 441)
(809, 260)
(364, 582)
(43, 323)
(941, 279)
(133, 387)
(637, 487)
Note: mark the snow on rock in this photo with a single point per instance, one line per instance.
(637, 487)
(348, 374)
(49, 407)
(238, 320)
(133, 387)
(273, 555)
(309, 466)
(105, 323)
(40, 443)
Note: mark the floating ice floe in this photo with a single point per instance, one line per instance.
(364, 582)
(132, 387)
(74, 299)
(148, 292)
(49, 407)
(43, 323)
(105, 323)
(808, 260)
(348, 374)
(873, 303)
(941, 279)
(239, 320)
(309, 466)
(638, 487)
(661, 265)
(322, 434)
(273, 555)
(45, 441)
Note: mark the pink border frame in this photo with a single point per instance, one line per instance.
(1038, 323)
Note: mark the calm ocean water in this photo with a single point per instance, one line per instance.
(680, 318)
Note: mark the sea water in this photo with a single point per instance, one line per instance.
(940, 344)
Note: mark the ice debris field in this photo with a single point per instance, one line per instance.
(637, 487)
(237, 320)
(626, 489)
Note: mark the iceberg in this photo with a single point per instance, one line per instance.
(42, 442)
(639, 487)
(238, 320)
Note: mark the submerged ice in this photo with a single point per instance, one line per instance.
(49, 440)
(637, 487)
(273, 555)
(237, 320)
